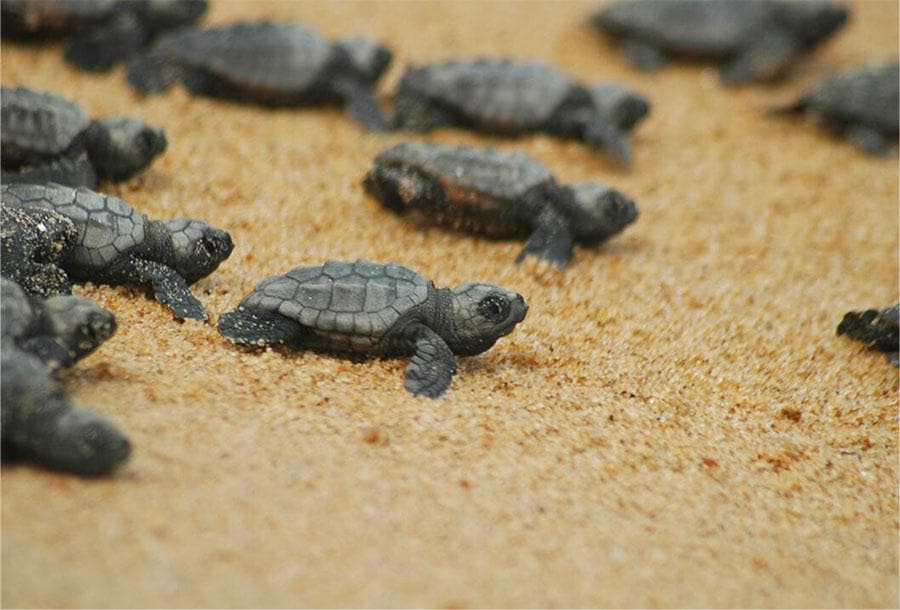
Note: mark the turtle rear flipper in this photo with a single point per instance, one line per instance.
(169, 288)
(106, 44)
(260, 328)
(551, 241)
(361, 105)
(431, 367)
(152, 73)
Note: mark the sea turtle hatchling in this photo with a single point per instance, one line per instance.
(275, 64)
(498, 194)
(861, 104)
(103, 32)
(33, 243)
(878, 329)
(116, 244)
(753, 40)
(41, 425)
(379, 309)
(58, 330)
(38, 128)
(513, 97)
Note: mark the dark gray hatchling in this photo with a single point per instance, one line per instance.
(275, 64)
(41, 130)
(386, 310)
(862, 105)
(878, 329)
(116, 244)
(58, 330)
(498, 194)
(514, 97)
(752, 40)
(38, 422)
(103, 32)
(34, 241)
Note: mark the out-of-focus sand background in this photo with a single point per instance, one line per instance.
(675, 423)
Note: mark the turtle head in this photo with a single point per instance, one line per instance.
(481, 314)
(368, 58)
(198, 248)
(600, 212)
(80, 324)
(124, 146)
(622, 107)
(814, 20)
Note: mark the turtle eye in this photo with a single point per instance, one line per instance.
(494, 307)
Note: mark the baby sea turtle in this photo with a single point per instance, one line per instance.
(515, 97)
(39, 127)
(276, 64)
(116, 244)
(753, 40)
(861, 104)
(104, 32)
(498, 194)
(58, 330)
(41, 425)
(379, 309)
(878, 329)
(33, 243)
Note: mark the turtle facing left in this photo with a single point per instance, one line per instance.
(40, 128)
(878, 329)
(116, 244)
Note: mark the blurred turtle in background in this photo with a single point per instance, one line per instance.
(878, 329)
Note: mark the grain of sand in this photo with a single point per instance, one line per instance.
(674, 424)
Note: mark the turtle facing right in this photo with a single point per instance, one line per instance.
(273, 64)
(386, 310)
(513, 97)
(116, 244)
(878, 329)
(752, 40)
(39, 128)
(861, 104)
(498, 194)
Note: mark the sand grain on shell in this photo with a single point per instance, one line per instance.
(674, 423)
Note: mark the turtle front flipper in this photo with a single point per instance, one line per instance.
(551, 240)
(361, 105)
(431, 367)
(764, 59)
(69, 172)
(601, 134)
(169, 288)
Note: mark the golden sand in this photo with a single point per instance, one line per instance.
(674, 424)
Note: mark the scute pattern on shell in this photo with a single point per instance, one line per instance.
(41, 123)
(502, 92)
(107, 226)
(360, 299)
(490, 171)
(274, 56)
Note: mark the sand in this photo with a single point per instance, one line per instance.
(674, 424)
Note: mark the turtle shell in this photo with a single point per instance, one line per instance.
(466, 172)
(352, 305)
(499, 93)
(37, 124)
(108, 228)
(869, 96)
(709, 28)
(286, 57)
